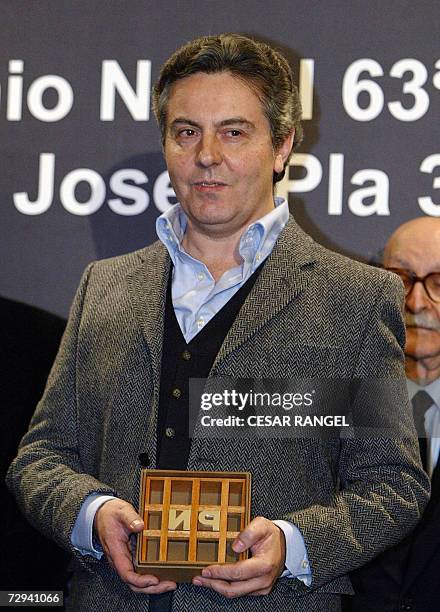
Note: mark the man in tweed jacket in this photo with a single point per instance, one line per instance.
(310, 313)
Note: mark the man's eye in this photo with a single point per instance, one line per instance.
(234, 133)
(187, 132)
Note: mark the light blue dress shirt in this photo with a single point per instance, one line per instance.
(197, 298)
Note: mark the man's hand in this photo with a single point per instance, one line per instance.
(114, 522)
(255, 576)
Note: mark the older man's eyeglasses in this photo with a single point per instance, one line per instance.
(431, 282)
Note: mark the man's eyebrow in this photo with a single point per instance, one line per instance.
(184, 120)
(225, 122)
(236, 121)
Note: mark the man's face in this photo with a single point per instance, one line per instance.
(219, 153)
(416, 248)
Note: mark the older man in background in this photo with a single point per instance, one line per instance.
(406, 577)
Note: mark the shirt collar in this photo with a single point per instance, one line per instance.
(259, 236)
(433, 389)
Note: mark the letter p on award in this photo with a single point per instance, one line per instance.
(191, 520)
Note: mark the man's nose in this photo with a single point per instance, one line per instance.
(209, 152)
(417, 299)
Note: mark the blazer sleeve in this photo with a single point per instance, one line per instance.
(47, 476)
(382, 488)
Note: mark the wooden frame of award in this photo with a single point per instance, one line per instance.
(191, 520)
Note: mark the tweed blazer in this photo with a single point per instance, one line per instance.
(310, 313)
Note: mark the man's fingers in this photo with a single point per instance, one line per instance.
(114, 521)
(254, 576)
(123, 565)
(121, 560)
(255, 586)
(140, 583)
(242, 570)
(157, 589)
(261, 592)
(119, 557)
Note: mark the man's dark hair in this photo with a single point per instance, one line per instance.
(255, 63)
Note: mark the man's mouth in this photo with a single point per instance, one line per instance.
(208, 185)
(422, 320)
(422, 324)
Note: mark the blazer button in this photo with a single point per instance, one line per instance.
(169, 432)
(144, 459)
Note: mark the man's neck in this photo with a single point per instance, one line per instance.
(218, 253)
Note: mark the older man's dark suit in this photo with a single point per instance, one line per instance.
(310, 313)
(407, 576)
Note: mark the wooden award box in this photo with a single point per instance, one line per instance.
(191, 520)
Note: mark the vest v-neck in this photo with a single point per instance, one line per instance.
(182, 361)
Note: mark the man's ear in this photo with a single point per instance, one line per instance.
(283, 153)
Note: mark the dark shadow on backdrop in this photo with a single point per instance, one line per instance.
(29, 342)
(297, 204)
(114, 234)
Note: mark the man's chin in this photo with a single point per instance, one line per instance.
(424, 369)
(421, 376)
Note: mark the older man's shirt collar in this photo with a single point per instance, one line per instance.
(433, 389)
(432, 419)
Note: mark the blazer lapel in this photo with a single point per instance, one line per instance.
(285, 275)
(147, 286)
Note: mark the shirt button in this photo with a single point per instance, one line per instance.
(258, 256)
(176, 393)
(200, 276)
(186, 355)
(169, 432)
(200, 322)
(304, 564)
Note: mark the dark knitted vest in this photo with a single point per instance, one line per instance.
(182, 361)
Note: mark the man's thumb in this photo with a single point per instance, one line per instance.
(136, 524)
(132, 520)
